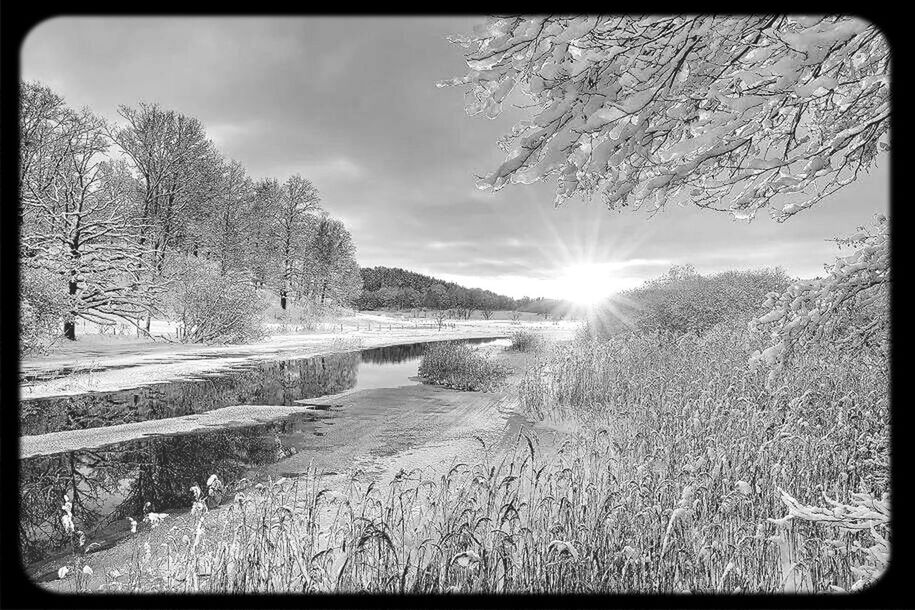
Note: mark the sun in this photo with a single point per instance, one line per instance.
(587, 283)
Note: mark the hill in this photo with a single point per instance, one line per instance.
(392, 287)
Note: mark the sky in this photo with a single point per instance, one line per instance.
(352, 105)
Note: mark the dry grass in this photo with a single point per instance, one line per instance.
(461, 367)
(526, 341)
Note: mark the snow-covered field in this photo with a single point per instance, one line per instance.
(97, 363)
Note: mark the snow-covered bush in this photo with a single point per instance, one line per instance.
(42, 304)
(845, 311)
(526, 341)
(213, 308)
(683, 301)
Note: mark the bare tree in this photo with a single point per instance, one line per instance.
(329, 268)
(226, 226)
(299, 199)
(76, 207)
(173, 158)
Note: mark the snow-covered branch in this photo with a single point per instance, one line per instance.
(731, 113)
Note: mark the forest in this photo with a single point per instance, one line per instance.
(392, 287)
(144, 218)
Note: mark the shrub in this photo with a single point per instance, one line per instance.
(42, 303)
(525, 341)
(214, 308)
(683, 301)
(460, 367)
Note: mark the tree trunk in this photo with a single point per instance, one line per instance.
(70, 325)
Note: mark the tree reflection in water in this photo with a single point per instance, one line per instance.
(112, 483)
(273, 383)
(109, 484)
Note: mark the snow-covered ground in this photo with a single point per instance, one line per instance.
(114, 362)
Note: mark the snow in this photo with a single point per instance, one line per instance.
(144, 363)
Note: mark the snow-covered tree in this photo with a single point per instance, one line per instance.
(299, 201)
(226, 225)
(735, 114)
(847, 310)
(732, 113)
(173, 161)
(76, 209)
(173, 158)
(329, 271)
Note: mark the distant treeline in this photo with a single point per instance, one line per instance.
(392, 287)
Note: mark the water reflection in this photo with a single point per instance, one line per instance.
(269, 383)
(114, 482)
(107, 485)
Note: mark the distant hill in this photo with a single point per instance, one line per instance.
(556, 308)
(394, 287)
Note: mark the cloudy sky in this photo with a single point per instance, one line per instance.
(351, 104)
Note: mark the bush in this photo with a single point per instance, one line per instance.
(214, 308)
(683, 301)
(525, 341)
(460, 367)
(42, 304)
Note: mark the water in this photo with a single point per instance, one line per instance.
(116, 481)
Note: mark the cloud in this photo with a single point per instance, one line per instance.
(227, 134)
(318, 171)
(351, 104)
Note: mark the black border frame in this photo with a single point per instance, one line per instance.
(17, 590)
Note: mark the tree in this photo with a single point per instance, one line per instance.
(436, 297)
(387, 296)
(732, 113)
(173, 158)
(227, 224)
(298, 201)
(487, 304)
(174, 162)
(848, 310)
(329, 270)
(263, 254)
(76, 208)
